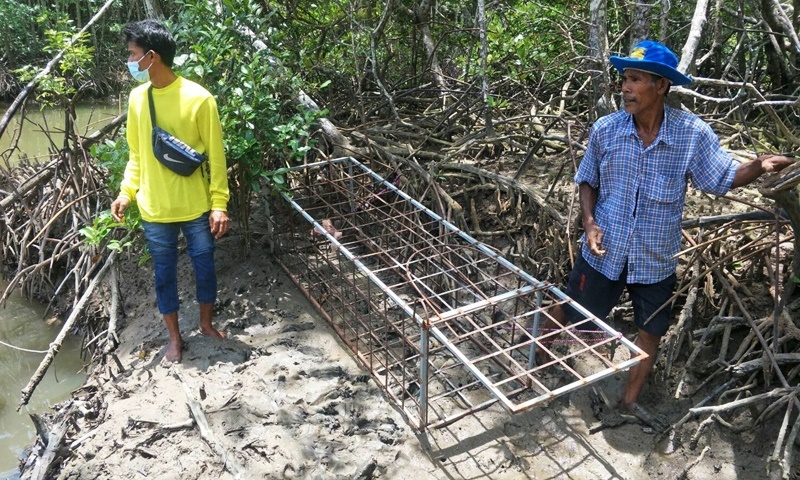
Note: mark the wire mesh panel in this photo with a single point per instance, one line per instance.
(445, 324)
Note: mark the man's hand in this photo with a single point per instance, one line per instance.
(767, 163)
(118, 208)
(219, 223)
(774, 163)
(594, 239)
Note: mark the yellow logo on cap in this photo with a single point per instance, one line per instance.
(638, 53)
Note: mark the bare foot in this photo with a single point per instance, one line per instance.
(212, 332)
(174, 351)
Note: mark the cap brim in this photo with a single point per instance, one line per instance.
(674, 76)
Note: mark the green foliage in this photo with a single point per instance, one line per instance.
(264, 129)
(530, 40)
(74, 65)
(59, 37)
(276, 179)
(104, 225)
(113, 156)
(19, 36)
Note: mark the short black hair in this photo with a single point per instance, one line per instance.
(151, 35)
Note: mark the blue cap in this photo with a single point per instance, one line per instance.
(653, 57)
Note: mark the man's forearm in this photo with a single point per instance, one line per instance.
(588, 200)
(747, 173)
(750, 171)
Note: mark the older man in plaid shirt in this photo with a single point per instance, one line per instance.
(632, 183)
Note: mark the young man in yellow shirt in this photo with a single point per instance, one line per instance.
(195, 205)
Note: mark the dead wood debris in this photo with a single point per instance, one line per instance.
(228, 457)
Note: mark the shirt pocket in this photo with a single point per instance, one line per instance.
(663, 189)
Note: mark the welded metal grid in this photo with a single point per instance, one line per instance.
(445, 324)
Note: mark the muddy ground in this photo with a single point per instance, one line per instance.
(284, 398)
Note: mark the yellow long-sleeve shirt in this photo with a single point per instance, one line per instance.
(189, 112)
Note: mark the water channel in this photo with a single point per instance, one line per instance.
(42, 130)
(22, 322)
(22, 325)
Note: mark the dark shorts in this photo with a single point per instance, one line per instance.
(596, 293)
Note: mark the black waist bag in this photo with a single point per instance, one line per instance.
(171, 151)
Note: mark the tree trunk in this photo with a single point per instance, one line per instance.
(153, 9)
(664, 21)
(776, 49)
(597, 54)
(641, 17)
(775, 10)
(487, 109)
(689, 51)
(422, 12)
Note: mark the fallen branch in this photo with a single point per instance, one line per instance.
(43, 176)
(65, 329)
(677, 335)
(112, 340)
(774, 393)
(366, 471)
(746, 368)
(685, 472)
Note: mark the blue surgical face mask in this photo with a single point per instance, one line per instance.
(139, 75)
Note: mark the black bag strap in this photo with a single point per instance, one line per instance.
(152, 108)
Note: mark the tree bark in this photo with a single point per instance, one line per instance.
(776, 11)
(153, 9)
(641, 17)
(689, 51)
(422, 12)
(487, 109)
(597, 54)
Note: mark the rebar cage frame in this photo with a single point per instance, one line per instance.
(445, 324)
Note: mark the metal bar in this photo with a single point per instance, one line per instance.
(430, 311)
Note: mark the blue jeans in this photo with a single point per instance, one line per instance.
(162, 241)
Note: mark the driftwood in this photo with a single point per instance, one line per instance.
(746, 368)
(231, 463)
(112, 340)
(49, 450)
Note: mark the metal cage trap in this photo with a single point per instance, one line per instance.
(445, 324)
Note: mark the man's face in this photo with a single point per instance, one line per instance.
(135, 54)
(641, 92)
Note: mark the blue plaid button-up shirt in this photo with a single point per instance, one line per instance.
(641, 191)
